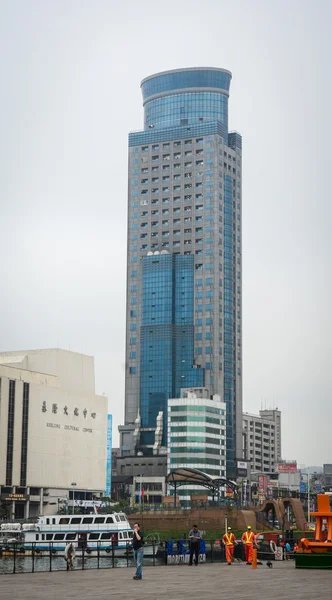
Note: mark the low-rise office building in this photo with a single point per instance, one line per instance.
(148, 490)
(196, 435)
(262, 440)
(53, 431)
(327, 478)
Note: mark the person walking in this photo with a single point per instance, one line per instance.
(70, 556)
(138, 543)
(248, 538)
(229, 540)
(195, 541)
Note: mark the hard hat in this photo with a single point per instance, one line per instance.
(229, 528)
(249, 527)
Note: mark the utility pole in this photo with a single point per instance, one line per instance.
(73, 486)
(308, 496)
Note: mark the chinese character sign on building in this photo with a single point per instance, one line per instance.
(287, 467)
(109, 457)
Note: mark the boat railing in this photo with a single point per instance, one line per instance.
(82, 527)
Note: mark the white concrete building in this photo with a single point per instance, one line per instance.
(53, 430)
(196, 435)
(262, 440)
(148, 490)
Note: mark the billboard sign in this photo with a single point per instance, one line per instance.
(262, 484)
(229, 493)
(14, 497)
(242, 468)
(287, 467)
(303, 487)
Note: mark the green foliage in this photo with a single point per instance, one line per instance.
(109, 507)
(4, 511)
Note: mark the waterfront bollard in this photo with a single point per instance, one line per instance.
(254, 558)
(33, 548)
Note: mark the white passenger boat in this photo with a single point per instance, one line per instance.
(89, 533)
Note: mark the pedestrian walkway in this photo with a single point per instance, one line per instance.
(208, 581)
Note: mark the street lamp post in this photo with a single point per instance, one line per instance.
(140, 489)
(73, 484)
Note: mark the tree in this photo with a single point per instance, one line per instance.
(4, 511)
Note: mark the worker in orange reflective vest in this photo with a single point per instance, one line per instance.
(248, 538)
(229, 539)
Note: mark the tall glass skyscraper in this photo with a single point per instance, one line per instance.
(184, 250)
(166, 337)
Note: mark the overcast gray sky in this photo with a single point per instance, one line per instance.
(70, 73)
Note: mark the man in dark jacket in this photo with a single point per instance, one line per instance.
(138, 543)
(195, 541)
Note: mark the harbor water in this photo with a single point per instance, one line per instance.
(38, 564)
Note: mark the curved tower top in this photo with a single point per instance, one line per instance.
(186, 96)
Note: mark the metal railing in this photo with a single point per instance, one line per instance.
(44, 556)
(138, 508)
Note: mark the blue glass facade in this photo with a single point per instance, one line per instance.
(229, 326)
(149, 136)
(167, 335)
(185, 78)
(186, 109)
(203, 97)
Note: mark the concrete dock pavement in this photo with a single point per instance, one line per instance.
(207, 581)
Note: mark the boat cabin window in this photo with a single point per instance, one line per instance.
(117, 518)
(123, 518)
(59, 536)
(120, 535)
(76, 521)
(109, 520)
(106, 536)
(37, 537)
(130, 533)
(87, 520)
(49, 536)
(100, 520)
(70, 536)
(53, 521)
(43, 536)
(94, 536)
(64, 521)
(47, 521)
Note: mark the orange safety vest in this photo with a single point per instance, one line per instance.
(229, 539)
(248, 537)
